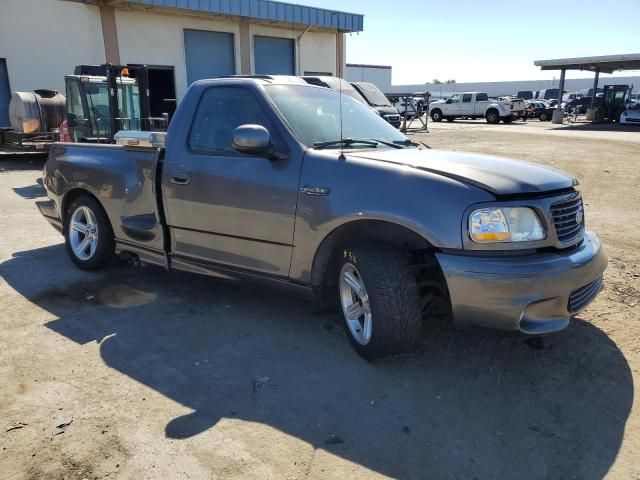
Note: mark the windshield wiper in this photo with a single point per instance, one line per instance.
(346, 142)
(394, 144)
(410, 143)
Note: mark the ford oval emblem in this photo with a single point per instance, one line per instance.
(579, 217)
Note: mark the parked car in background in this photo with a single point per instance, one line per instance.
(335, 83)
(471, 105)
(340, 85)
(409, 108)
(631, 116)
(258, 182)
(580, 104)
(548, 94)
(379, 101)
(525, 94)
(539, 110)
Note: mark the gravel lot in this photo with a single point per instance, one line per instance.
(137, 373)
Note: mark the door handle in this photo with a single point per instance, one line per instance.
(180, 178)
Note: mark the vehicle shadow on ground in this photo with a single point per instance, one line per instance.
(31, 192)
(469, 406)
(597, 127)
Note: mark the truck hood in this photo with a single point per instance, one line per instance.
(499, 176)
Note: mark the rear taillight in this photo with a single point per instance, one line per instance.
(64, 132)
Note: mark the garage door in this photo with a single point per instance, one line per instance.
(5, 94)
(273, 56)
(208, 54)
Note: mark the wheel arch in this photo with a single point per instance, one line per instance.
(361, 230)
(73, 194)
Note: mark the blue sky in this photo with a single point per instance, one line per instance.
(486, 40)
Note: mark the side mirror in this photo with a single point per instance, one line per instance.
(253, 139)
(448, 100)
(72, 121)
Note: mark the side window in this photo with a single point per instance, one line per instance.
(75, 101)
(466, 98)
(221, 111)
(455, 98)
(481, 97)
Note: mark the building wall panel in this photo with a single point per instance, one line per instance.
(43, 40)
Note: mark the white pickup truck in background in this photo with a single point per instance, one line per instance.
(472, 105)
(517, 106)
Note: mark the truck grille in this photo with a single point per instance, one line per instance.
(568, 219)
(582, 296)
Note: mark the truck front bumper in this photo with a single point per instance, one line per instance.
(532, 294)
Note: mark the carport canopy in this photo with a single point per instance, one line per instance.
(602, 63)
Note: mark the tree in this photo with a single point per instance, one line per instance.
(436, 81)
(451, 82)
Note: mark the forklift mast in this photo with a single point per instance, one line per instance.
(112, 73)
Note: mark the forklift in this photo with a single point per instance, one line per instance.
(104, 99)
(616, 99)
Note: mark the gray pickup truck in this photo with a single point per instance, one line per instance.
(273, 181)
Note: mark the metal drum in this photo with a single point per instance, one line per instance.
(37, 111)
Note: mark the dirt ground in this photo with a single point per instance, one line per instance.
(137, 373)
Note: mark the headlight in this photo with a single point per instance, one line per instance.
(516, 224)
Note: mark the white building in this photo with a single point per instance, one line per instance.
(380, 75)
(184, 40)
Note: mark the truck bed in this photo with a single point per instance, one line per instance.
(124, 179)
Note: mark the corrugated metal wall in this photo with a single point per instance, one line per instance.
(208, 54)
(273, 56)
(5, 94)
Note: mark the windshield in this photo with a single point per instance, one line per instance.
(98, 102)
(314, 115)
(373, 94)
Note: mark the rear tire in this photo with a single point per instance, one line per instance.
(543, 117)
(88, 234)
(436, 115)
(389, 300)
(492, 116)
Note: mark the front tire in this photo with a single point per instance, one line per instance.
(88, 234)
(380, 300)
(436, 116)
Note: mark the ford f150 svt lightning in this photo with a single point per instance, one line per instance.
(274, 181)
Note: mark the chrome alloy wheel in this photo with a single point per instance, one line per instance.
(355, 304)
(83, 233)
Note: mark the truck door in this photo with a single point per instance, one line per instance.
(224, 207)
(480, 103)
(452, 106)
(467, 105)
